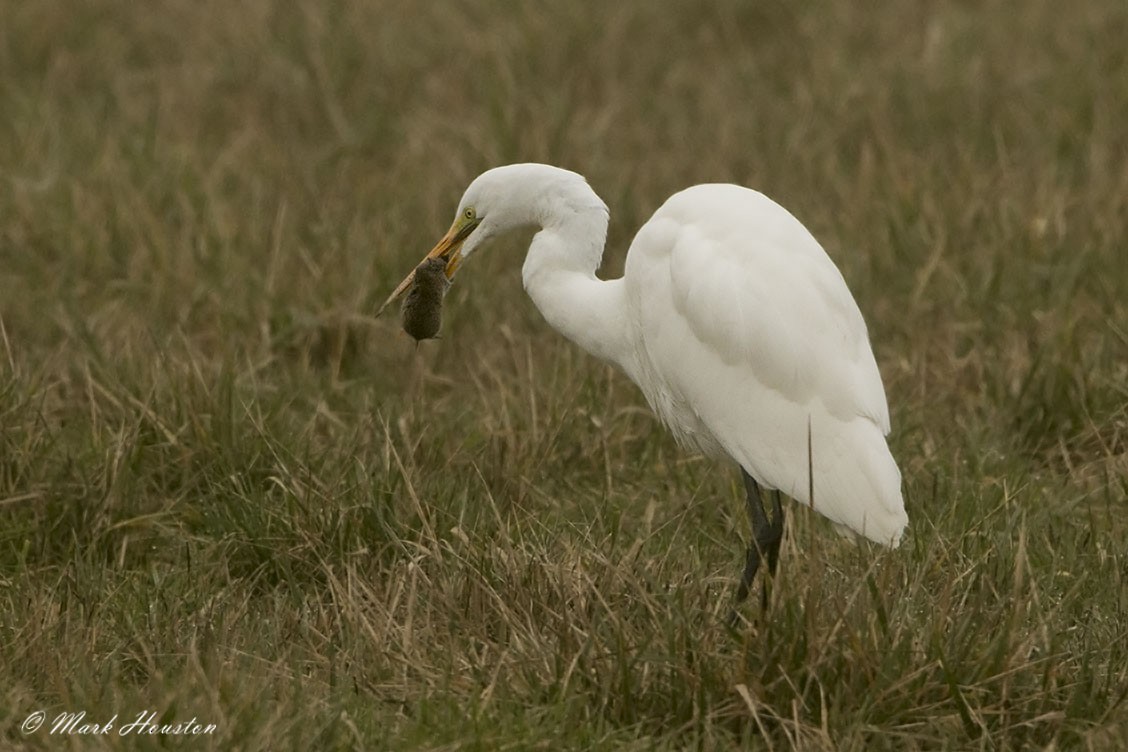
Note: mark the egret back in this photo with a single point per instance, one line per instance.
(749, 342)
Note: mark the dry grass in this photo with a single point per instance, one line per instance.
(225, 492)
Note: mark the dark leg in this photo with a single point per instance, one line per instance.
(766, 537)
(776, 538)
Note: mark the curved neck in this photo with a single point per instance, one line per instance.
(559, 275)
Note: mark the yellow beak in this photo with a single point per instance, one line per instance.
(447, 249)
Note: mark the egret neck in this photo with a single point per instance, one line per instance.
(559, 275)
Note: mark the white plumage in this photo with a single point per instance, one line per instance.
(748, 335)
(730, 317)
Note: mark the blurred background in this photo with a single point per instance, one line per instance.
(203, 203)
(224, 174)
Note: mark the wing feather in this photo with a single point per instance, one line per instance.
(748, 335)
(757, 287)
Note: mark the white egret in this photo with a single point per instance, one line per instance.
(734, 323)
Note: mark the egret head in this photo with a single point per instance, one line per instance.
(503, 199)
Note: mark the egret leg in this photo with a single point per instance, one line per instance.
(766, 537)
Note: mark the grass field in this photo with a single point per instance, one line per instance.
(227, 493)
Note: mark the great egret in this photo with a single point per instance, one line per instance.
(733, 322)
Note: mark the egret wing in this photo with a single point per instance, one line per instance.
(750, 338)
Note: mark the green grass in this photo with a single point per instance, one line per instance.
(227, 493)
